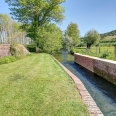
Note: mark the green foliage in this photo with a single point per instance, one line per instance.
(7, 59)
(105, 54)
(50, 39)
(81, 44)
(17, 51)
(101, 52)
(68, 43)
(71, 37)
(4, 20)
(31, 47)
(111, 33)
(108, 41)
(10, 31)
(108, 44)
(73, 32)
(114, 44)
(91, 37)
(35, 13)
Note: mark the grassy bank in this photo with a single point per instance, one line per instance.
(38, 86)
(104, 52)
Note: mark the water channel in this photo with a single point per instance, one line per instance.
(102, 91)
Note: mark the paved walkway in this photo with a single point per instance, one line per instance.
(88, 100)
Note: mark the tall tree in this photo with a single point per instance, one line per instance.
(71, 37)
(36, 13)
(73, 32)
(50, 38)
(67, 43)
(10, 32)
(91, 37)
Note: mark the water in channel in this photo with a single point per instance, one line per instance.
(102, 91)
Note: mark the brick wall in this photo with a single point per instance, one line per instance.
(5, 50)
(84, 61)
(101, 67)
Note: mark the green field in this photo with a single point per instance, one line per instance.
(109, 38)
(38, 86)
(108, 41)
(102, 52)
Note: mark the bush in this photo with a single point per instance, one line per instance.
(31, 47)
(105, 54)
(17, 51)
(114, 44)
(7, 59)
(81, 45)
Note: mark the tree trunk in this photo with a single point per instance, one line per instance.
(88, 46)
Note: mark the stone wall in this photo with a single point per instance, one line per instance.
(24, 49)
(84, 61)
(5, 50)
(101, 67)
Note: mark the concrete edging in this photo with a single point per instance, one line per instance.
(88, 100)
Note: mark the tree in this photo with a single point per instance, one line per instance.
(10, 32)
(91, 37)
(50, 38)
(73, 32)
(4, 25)
(67, 43)
(35, 13)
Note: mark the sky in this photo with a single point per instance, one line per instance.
(87, 14)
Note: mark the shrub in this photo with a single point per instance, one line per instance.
(105, 54)
(31, 47)
(81, 45)
(114, 44)
(17, 51)
(7, 59)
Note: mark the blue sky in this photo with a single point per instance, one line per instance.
(88, 14)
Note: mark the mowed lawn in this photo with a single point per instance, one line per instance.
(38, 86)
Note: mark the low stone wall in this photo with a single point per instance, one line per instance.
(101, 67)
(5, 50)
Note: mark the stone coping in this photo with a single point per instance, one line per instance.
(105, 60)
(88, 100)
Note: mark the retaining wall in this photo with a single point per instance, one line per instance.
(5, 50)
(103, 68)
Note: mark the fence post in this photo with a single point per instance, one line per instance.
(99, 48)
(115, 51)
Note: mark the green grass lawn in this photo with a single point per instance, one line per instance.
(38, 86)
(94, 51)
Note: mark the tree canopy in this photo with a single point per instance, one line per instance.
(50, 38)
(71, 37)
(36, 12)
(67, 43)
(91, 37)
(10, 32)
(73, 32)
(40, 11)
